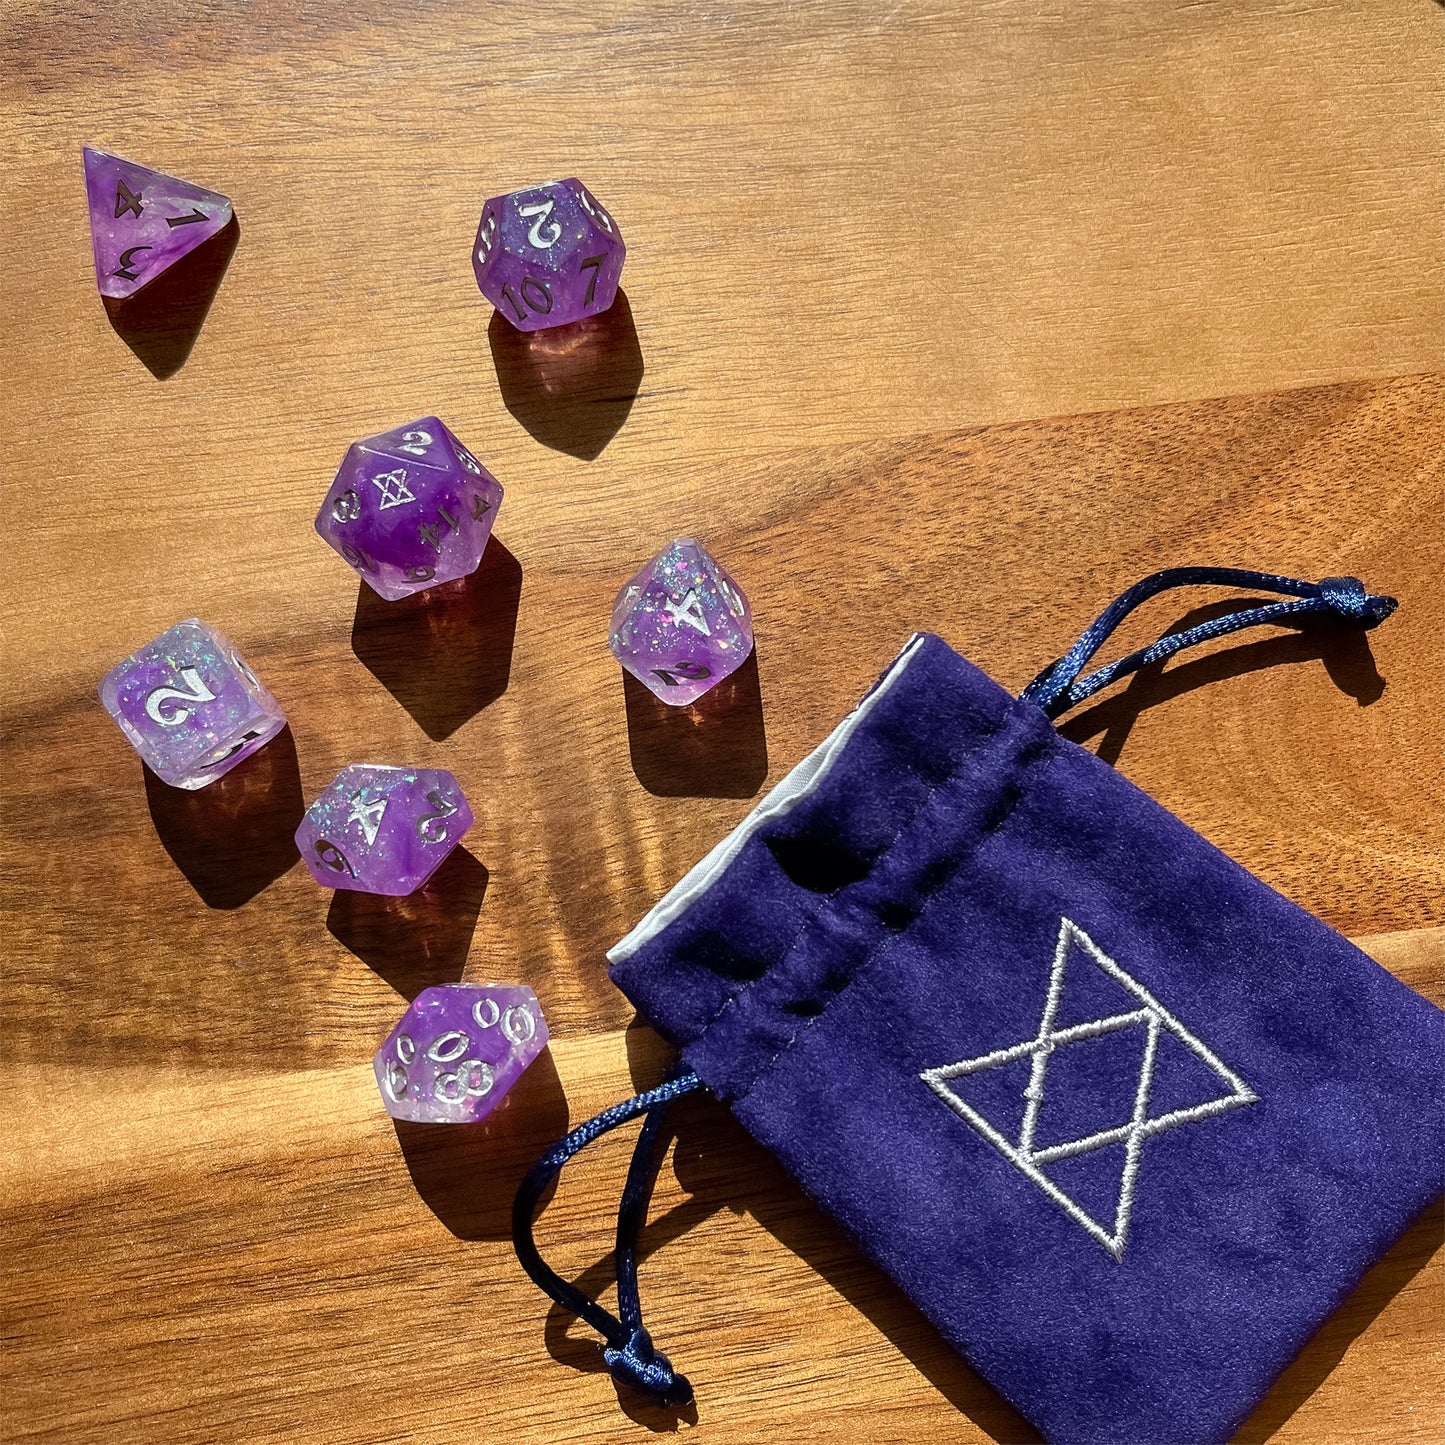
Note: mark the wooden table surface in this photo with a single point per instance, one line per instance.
(958, 317)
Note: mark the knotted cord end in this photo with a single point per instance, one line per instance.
(1347, 596)
(641, 1365)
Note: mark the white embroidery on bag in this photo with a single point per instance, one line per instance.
(1030, 1161)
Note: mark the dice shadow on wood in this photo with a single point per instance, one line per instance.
(235, 836)
(467, 1174)
(422, 939)
(1314, 1364)
(715, 747)
(446, 653)
(1344, 650)
(571, 387)
(161, 321)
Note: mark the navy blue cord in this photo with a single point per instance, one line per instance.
(1059, 687)
(630, 1354)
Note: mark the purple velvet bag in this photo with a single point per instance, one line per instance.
(1125, 1123)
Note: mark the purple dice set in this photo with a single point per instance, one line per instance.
(409, 509)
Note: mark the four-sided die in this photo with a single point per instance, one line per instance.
(383, 830)
(548, 255)
(142, 222)
(189, 705)
(457, 1050)
(410, 508)
(681, 624)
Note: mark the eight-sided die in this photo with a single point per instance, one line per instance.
(681, 624)
(381, 829)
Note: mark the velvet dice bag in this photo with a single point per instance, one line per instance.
(1126, 1124)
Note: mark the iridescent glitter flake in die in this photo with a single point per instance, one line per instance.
(681, 624)
(548, 255)
(142, 222)
(190, 705)
(383, 830)
(410, 508)
(457, 1050)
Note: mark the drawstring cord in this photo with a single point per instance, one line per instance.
(1059, 687)
(630, 1354)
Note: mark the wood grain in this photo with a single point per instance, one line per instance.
(867, 251)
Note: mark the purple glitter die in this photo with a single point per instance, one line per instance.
(548, 256)
(143, 221)
(410, 508)
(190, 706)
(681, 624)
(457, 1050)
(383, 830)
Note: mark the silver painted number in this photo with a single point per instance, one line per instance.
(594, 209)
(193, 690)
(544, 233)
(487, 237)
(730, 596)
(430, 827)
(677, 673)
(689, 610)
(367, 816)
(333, 857)
(415, 442)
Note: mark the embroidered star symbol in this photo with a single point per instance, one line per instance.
(1140, 1119)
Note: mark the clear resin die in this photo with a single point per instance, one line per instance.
(681, 624)
(190, 705)
(457, 1050)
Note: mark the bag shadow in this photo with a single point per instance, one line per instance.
(1344, 650)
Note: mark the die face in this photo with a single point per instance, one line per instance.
(190, 705)
(380, 829)
(410, 508)
(548, 255)
(457, 1050)
(681, 624)
(143, 221)
(425, 442)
